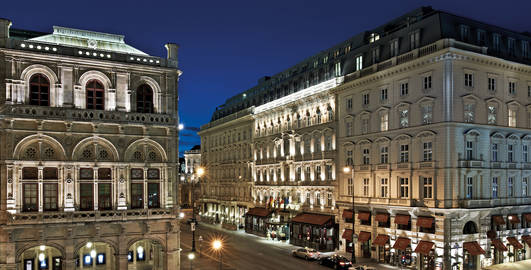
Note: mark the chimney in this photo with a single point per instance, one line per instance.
(173, 53)
(5, 24)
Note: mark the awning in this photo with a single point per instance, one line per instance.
(424, 247)
(314, 219)
(258, 212)
(364, 215)
(401, 243)
(364, 236)
(499, 245)
(498, 220)
(381, 240)
(491, 234)
(473, 248)
(527, 217)
(347, 214)
(527, 239)
(513, 219)
(347, 234)
(425, 222)
(514, 242)
(382, 217)
(402, 219)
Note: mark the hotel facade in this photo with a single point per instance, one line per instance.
(89, 147)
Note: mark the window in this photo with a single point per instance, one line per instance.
(318, 175)
(469, 80)
(469, 150)
(366, 187)
(512, 117)
(427, 114)
(366, 158)
(31, 197)
(104, 196)
(348, 128)
(428, 187)
(428, 152)
(144, 99)
(39, 90)
(464, 30)
(510, 187)
(393, 47)
(383, 94)
(496, 41)
(365, 125)
(384, 187)
(404, 117)
(414, 40)
(329, 172)
(384, 155)
(404, 89)
(469, 187)
(525, 153)
(495, 187)
(366, 99)
(350, 187)
(524, 186)
(95, 95)
(137, 195)
(404, 187)
(510, 153)
(492, 112)
(512, 88)
(375, 54)
(86, 196)
(349, 158)
(525, 49)
(359, 62)
(328, 142)
(511, 46)
(427, 82)
(50, 196)
(384, 121)
(404, 153)
(153, 195)
(482, 38)
(298, 173)
(317, 145)
(469, 112)
(338, 69)
(494, 151)
(307, 173)
(492, 84)
(374, 37)
(349, 104)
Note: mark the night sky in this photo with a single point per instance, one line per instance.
(227, 45)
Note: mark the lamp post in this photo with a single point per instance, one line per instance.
(200, 171)
(347, 170)
(191, 257)
(217, 245)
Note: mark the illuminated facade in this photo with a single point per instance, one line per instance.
(89, 144)
(189, 178)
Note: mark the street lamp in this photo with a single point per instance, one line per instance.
(217, 246)
(347, 169)
(191, 257)
(199, 172)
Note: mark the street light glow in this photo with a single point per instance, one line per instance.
(200, 171)
(181, 126)
(181, 215)
(346, 169)
(216, 244)
(191, 256)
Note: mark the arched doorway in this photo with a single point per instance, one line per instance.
(470, 261)
(95, 255)
(146, 254)
(41, 257)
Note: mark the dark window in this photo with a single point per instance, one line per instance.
(104, 196)
(39, 90)
(470, 228)
(49, 174)
(137, 174)
(86, 173)
(153, 174)
(31, 197)
(104, 174)
(30, 173)
(144, 99)
(137, 195)
(50, 196)
(153, 195)
(86, 196)
(95, 95)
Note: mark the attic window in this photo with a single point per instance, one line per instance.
(374, 37)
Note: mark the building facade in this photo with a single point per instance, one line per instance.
(89, 147)
(189, 188)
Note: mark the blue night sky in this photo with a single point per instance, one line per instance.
(227, 45)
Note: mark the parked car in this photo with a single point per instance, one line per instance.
(306, 253)
(336, 261)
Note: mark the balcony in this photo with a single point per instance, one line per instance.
(88, 216)
(471, 163)
(72, 114)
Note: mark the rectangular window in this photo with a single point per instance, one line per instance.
(464, 31)
(349, 158)
(469, 112)
(366, 158)
(104, 196)
(494, 151)
(366, 187)
(524, 186)
(427, 151)
(469, 80)
(318, 172)
(86, 196)
(511, 46)
(427, 114)
(359, 62)
(137, 195)
(384, 187)
(328, 143)
(384, 121)
(307, 174)
(495, 187)
(384, 155)
(153, 195)
(529, 91)
(428, 187)
(404, 153)
(348, 128)
(50, 196)
(512, 117)
(404, 89)
(492, 112)
(525, 153)
(404, 117)
(510, 153)
(492, 84)
(496, 42)
(30, 197)
(350, 187)
(404, 187)
(469, 187)
(510, 187)
(383, 94)
(338, 69)
(329, 172)
(525, 49)
(366, 99)
(86, 174)
(375, 53)
(393, 46)
(427, 82)
(512, 88)
(482, 38)
(365, 125)
(414, 40)
(469, 150)
(349, 104)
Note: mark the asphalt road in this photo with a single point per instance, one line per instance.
(240, 251)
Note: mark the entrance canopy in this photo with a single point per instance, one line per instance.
(258, 212)
(314, 219)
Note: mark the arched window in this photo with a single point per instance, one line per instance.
(144, 99)
(39, 90)
(95, 95)
(470, 228)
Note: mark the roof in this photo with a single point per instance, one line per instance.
(314, 219)
(87, 39)
(259, 212)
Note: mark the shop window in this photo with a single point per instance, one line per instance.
(39, 90)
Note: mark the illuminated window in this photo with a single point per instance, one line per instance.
(512, 117)
(144, 99)
(427, 114)
(469, 187)
(366, 187)
(359, 62)
(469, 112)
(492, 112)
(100, 259)
(95, 95)
(494, 152)
(87, 260)
(427, 151)
(494, 187)
(404, 117)
(350, 188)
(39, 90)
(374, 37)
(366, 156)
(384, 187)
(384, 121)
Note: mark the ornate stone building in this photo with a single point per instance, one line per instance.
(189, 178)
(88, 152)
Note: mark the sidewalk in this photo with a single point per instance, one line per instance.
(521, 265)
